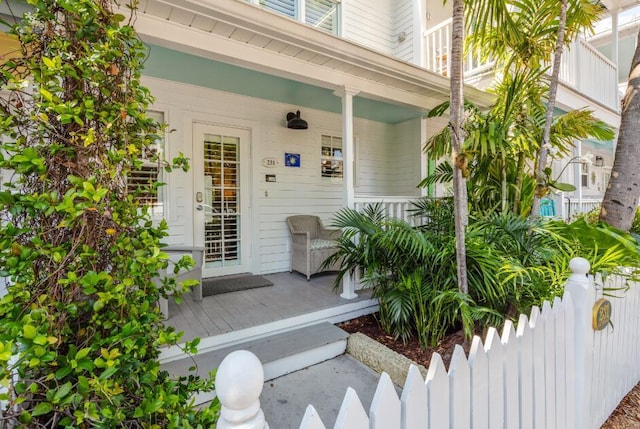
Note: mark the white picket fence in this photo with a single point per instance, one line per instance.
(551, 371)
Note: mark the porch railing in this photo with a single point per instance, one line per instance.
(397, 207)
(575, 207)
(563, 366)
(583, 67)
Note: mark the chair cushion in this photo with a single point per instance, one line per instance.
(318, 244)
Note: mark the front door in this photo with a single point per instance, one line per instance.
(221, 157)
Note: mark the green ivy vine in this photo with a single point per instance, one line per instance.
(80, 330)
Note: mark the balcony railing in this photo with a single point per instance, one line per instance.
(591, 73)
(583, 67)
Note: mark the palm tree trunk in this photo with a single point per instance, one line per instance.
(543, 151)
(517, 197)
(457, 139)
(503, 179)
(621, 197)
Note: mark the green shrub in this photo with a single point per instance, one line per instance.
(79, 327)
(411, 270)
(512, 265)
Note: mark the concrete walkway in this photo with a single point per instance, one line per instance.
(285, 399)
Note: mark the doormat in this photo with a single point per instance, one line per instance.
(226, 284)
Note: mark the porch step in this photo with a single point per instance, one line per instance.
(280, 354)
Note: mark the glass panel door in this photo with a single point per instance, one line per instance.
(222, 189)
(222, 196)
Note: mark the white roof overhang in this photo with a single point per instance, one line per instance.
(245, 35)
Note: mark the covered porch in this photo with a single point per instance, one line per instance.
(290, 303)
(225, 91)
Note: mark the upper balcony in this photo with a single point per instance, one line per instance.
(583, 68)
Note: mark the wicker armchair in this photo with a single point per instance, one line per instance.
(311, 244)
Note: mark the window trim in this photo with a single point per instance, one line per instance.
(160, 209)
(330, 157)
(300, 8)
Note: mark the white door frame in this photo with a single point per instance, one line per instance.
(201, 128)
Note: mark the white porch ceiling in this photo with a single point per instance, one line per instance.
(618, 5)
(245, 35)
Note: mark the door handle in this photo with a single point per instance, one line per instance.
(200, 207)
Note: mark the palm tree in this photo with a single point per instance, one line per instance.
(457, 140)
(523, 35)
(500, 140)
(543, 150)
(621, 197)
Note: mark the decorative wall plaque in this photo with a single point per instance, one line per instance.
(292, 159)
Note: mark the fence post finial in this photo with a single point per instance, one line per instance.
(239, 382)
(579, 268)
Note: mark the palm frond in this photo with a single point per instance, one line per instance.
(443, 173)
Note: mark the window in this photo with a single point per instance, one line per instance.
(140, 182)
(321, 14)
(584, 174)
(283, 7)
(331, 159)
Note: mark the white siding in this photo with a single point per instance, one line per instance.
(404, 24)
(407, 158)
(434, 126)
(437, 11)
(370, 23)
(374, 149)
(297, 190)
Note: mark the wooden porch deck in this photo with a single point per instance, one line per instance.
(291, 296)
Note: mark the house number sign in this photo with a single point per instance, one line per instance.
(601, 314)
(270, 162)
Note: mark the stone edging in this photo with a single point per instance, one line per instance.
(381, 358)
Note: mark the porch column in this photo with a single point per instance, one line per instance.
(614, 50)
(578, 178)
(425, 162)
(419, 27)
(347, 93)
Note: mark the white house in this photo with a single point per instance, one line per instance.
(227, 72)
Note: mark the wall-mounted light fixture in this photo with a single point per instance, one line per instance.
(598, 161)
(295, 122)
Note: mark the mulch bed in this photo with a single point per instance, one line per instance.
(625, 416)
(369, 326)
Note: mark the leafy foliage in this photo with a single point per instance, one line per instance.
(513, 264)
(501, 144)
(79, 327)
